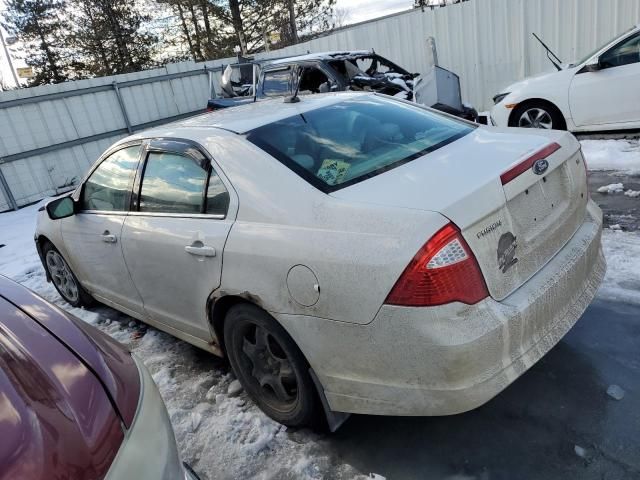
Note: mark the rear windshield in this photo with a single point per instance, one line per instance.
(342, 144)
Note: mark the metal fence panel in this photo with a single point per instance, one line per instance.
(50, 135)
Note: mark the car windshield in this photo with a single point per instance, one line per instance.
(591, 54)
(344, 143)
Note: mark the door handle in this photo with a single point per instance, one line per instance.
(108, 238)
(200, 251)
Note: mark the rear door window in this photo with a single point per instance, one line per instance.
(276, 82)
(172, 183)
(109, 187)
(217, 196)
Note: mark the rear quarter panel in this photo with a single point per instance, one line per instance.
(356, 251)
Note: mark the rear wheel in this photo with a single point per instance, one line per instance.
(537, 115)
(270, 367)
(63, 278)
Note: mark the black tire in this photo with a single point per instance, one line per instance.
(63, 278)
(537, 114)
(270, 367)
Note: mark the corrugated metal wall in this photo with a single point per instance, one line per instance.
(488, 43)
(85, 117)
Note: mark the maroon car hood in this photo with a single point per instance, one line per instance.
(56, 418)
(108, 360)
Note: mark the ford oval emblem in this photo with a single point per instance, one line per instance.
(540, 167)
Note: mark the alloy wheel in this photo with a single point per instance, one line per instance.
(268, 366)
(536, 118)
(62, 277)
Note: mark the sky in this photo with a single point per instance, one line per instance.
(361, 10)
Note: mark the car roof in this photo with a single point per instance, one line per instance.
(247, 117)
(337, 55)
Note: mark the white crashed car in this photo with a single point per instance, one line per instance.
(351, 252)
(599, 92)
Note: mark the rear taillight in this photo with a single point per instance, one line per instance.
(526, 164)
(443, 271)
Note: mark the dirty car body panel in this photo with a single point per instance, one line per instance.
(339, 199)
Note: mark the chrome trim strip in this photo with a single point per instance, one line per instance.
(178, 215)
(155, 214)
(103, 212)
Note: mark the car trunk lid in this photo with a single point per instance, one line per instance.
(513, 229)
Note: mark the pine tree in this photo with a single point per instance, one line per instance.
(292, 19)
(311, 17)
(209, 29)
(195, 29)
(39, 26)
(110, 37)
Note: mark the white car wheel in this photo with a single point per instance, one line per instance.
(63, 278)
(537, 114)
(535, 118)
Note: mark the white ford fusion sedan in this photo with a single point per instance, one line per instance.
(347, 253)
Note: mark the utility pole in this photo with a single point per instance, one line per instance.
(6, 52)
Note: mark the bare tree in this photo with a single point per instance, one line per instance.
(340, 17)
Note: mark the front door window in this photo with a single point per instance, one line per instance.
(109, 186)
(625, 53)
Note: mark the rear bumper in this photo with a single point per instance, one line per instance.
(450, 359)
(149, 449)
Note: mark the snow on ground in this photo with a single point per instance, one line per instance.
(620, 155)
(622, 250)
(612, 188)
(221, 433)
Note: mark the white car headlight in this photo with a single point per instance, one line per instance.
(498, 98)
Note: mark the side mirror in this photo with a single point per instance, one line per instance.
(61, 208)
(594, 66)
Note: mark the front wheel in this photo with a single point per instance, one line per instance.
(63, 278)
(270, 367)
(537, 115)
